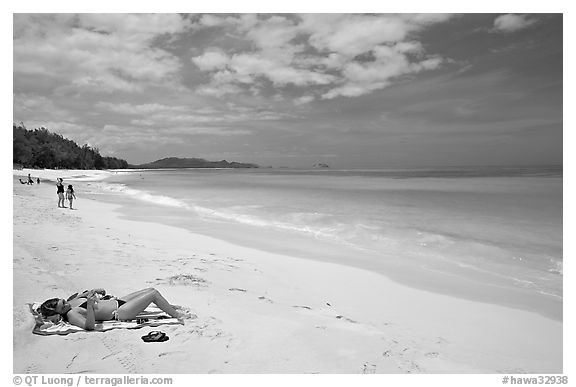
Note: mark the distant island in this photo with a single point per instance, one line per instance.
(175, 162)
(321, 165)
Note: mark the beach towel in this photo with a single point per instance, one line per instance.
(151, 317)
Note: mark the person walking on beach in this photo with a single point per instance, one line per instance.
(60, 192)
(30, 181)
(70, 194)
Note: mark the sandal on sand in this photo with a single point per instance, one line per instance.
(155, 336)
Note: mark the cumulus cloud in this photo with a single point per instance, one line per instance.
(27, 107)
(95, 53)
(307, 57)
(512, 23)
(335, 55)
(134, 26)
(165, 117)
(210, 60)
(304, 100)
(277, 31)
(128, 108)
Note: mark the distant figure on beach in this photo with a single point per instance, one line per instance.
(84, 309)
(22, 182)
(38, 181)
(30, 181)
(60, 192)
(70, 194)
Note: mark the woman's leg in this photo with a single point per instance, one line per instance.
(136, 294)
(138, 303)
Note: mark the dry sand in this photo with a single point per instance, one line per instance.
(258, 312)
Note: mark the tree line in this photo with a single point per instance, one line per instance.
(39, 148)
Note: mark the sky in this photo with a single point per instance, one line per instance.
(294, 90)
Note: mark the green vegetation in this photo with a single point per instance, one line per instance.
(175, 162)
(40, 148)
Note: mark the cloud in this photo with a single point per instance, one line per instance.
(134, 26)
(274, 32)
(352, 35)
(127, 108)
(246, 68)
(276, 71)
(28, 107)
(166, 118)
(210, 60)
(304, 100)
(389, 63)
(95, 53)
(327, 55)
(512, 23)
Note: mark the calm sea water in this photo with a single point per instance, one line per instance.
(500, 225)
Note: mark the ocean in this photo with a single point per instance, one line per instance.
(494, 231)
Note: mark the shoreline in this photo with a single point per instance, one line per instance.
(460, 283)
(295, 315)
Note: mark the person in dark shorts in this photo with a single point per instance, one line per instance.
(60, 192)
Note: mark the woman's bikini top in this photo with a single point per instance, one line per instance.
(85, 303)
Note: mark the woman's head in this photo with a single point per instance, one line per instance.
(70, 186)
(54, 306)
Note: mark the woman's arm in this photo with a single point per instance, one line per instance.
(88, 293)
(87, 322)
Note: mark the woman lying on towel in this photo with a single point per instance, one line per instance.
(84, 309)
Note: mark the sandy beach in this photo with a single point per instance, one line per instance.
(257, 311)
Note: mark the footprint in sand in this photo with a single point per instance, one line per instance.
(162, 354)
(265, 299)
(185, 312)
(185, 280)
(205, 328)
(441, 340)
(33, 368)
(410, 367)
(71, 362)
(346, 319)
(369, 369)
(402, 362)
(126, 354)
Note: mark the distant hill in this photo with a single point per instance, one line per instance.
(175, 162)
